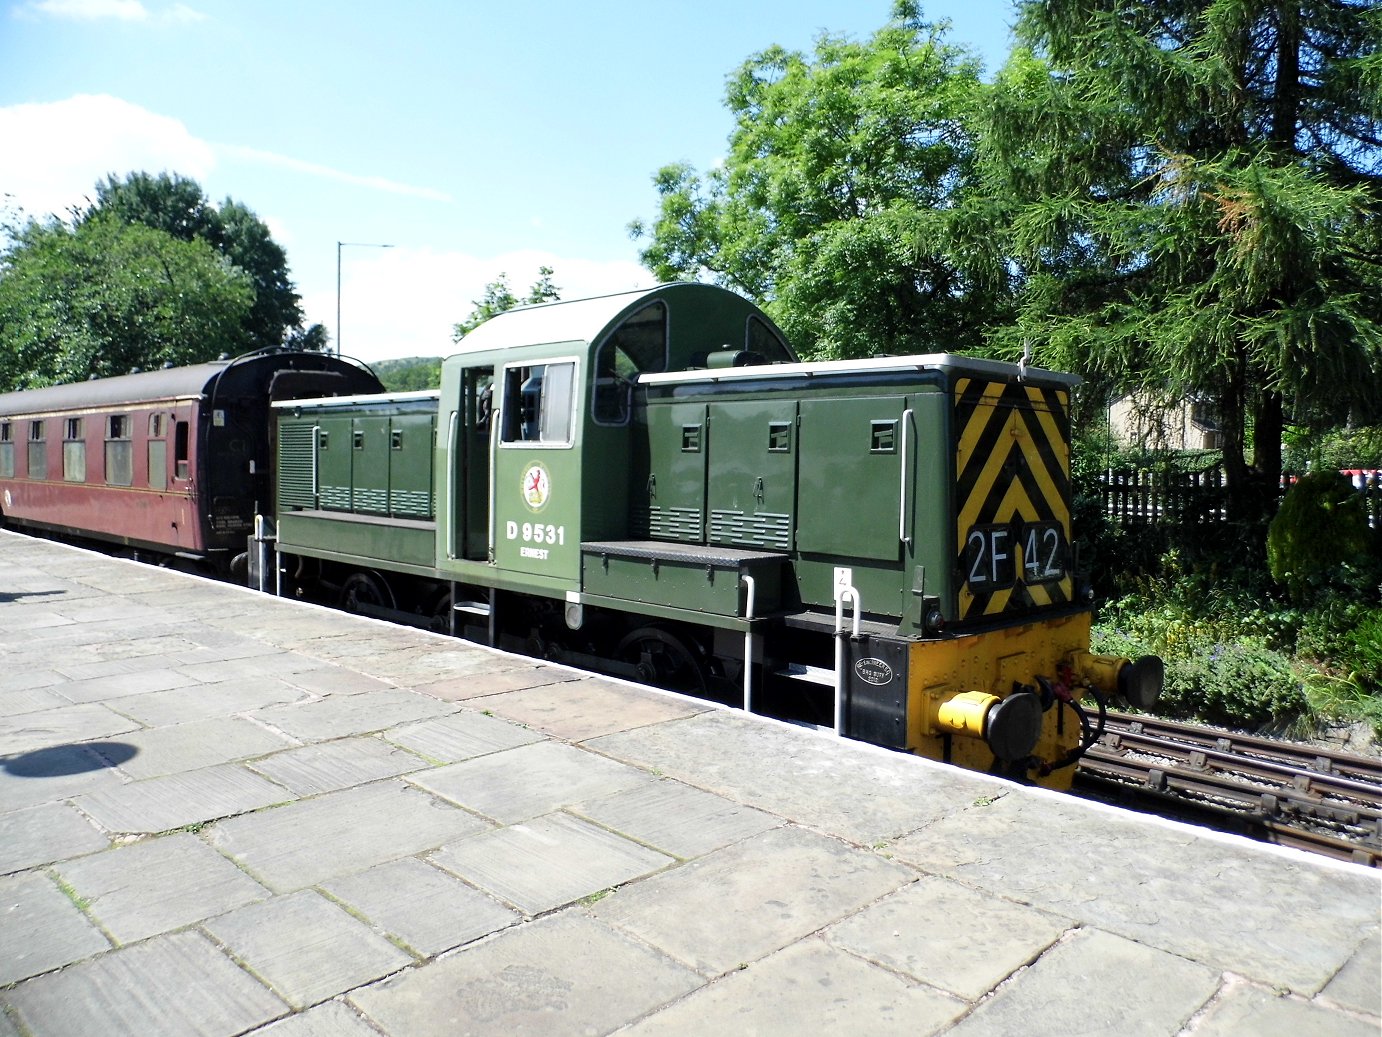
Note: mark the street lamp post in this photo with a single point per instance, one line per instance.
(340, 245)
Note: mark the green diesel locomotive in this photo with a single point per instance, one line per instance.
(653, 485)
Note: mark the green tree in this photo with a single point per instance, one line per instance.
(178, 206)
(105, 297)
(847, 197)
(410, 374)
(1191, 195)
(499, 297)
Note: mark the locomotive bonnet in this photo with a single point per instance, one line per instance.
(653, 484)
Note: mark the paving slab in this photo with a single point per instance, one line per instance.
(1248, 1009)
(15, 701)
(835, 786)
(462, 736)
(55, 773)
(339, 833)
(1358, 985)
(119, 685)
(495, 682)
(158, 885)
(972, 941)
(557, 976)
(1095, 982)
(77, 723)
(329, 679)
(1015, 845)
(329, 1019)
(752, 898)
(332, 766)
(677, 819)
(177, 800)
(223, 698)
(426, 657)
(529, 781)
(426, 908)
(197, 744)
(807, 988)
(43, 834)
(172, 986)
(341, 715)
(542, 864)
(577, 710)
(306, 948)
(276, 664)
(41, 928)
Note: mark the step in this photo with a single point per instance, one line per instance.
(810, 674)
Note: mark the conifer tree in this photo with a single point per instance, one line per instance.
(1192, 194)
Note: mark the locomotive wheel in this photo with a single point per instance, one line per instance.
(363, 590)
(440, 622)
(664, 659)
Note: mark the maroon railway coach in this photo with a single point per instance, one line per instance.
(176, 461)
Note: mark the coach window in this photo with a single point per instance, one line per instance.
(38, 451)
(181, 455)
(158, 451)
(119, 451)
(637, 346)
(74, 450)
(6, 450)
(538, 403)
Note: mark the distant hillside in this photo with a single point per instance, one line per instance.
(410, 373)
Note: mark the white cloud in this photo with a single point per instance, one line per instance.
(88, 10)
(99, 10)
(401, 302)
(181, 14)
(374, 183)
(55, 153)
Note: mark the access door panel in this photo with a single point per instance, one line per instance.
(669, 479)
(751, 478)
(852, 478)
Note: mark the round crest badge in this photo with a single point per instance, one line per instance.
(537, 486)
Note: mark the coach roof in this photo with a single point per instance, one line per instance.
(174, 383)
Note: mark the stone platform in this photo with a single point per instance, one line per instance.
(223, 813)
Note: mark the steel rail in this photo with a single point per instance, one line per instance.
(1308, 757)
(1286, 774)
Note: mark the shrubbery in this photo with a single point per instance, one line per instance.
(1242, 648)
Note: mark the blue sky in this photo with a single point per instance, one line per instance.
(474, 138)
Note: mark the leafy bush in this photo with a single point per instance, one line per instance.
(1321, 527)
(1308, 448)
(1236, 685)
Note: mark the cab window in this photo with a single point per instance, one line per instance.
(539, 403)
(637, 346)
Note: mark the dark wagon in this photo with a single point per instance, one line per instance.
(175, 461)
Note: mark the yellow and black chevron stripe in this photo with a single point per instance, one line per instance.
(1012, 470)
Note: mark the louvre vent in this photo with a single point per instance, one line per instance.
(296, 467)
(766, 529)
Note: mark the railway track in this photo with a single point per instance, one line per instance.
(1282, 792)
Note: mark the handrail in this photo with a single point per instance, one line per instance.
(449, 533)
(902, 533)
(748, 583)
(847, 591)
